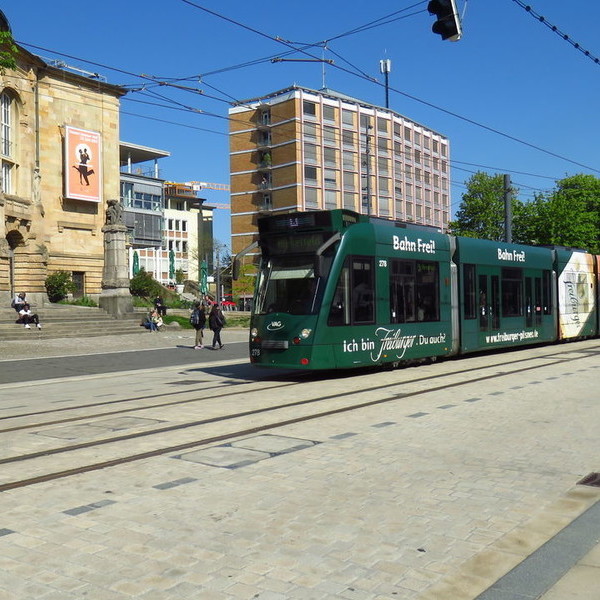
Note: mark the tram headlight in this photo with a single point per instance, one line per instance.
(305, 333)
(253, 332)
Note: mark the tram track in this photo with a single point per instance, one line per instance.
(211, 389)
(244, 431)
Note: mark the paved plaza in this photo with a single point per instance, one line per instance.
(433, 493)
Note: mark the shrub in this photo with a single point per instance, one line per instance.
(141, 302)
(143, 284)
(59, 285)
(84, 301)
(177, 302)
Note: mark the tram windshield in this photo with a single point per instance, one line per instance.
(287, 284)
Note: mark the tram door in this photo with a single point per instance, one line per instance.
(533, 301)
(489, 302)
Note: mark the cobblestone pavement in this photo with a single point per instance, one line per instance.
(432, 494)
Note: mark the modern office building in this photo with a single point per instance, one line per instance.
(170, 228)
(142, 195)
(303, 149)
(188, 228)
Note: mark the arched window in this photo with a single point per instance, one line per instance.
(7, 143)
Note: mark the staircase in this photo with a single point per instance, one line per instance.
(64, 321)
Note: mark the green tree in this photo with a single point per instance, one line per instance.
(244, 284)
(481, 212)
(8, 52)
(179, 276)
(569, 215)
(222, 265)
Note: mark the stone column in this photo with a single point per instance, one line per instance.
(115, 297)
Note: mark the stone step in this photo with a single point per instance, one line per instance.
(23, 334)
(60, 320)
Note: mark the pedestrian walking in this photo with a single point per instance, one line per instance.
(216, 322)
(198, 322)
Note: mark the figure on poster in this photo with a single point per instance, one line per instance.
(84, 171)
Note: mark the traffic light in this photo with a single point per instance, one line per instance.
(448, 23)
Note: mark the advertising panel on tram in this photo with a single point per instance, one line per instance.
(577, 293)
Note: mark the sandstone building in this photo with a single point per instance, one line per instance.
(59, 155)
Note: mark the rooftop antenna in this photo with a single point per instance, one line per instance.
(385, 66)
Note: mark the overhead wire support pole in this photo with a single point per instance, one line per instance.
(368, 170)
(507, 209)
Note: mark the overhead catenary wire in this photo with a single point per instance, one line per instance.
(407, 154)
(294, 49)
(558, 32)
(405, 94)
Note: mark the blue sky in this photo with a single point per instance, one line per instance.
(509, 73)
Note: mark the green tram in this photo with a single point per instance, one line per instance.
(336, 289)
(506, 294)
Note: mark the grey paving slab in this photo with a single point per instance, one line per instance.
(121, 423)
(273, 444)
(225, 456)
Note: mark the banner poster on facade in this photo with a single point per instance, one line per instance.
(83, 161)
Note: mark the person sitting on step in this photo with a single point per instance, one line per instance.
(28, 317)
(18, 301)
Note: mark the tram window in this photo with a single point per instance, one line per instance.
(512, 292)
(354, 297)
(528, 302)
(470, 306)
(414, 293)
(495, 301)
(538, 300)
(339, 312)
(363, 291)
(402, 291)
(547, 292)
(287, 284)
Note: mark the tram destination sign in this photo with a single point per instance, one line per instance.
(295, 222)
(297, 243)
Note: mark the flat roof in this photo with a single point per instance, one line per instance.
(253, 103)
(137, 154)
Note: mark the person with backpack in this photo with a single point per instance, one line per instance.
(19, 301)
(216, 322)
(198, 322)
